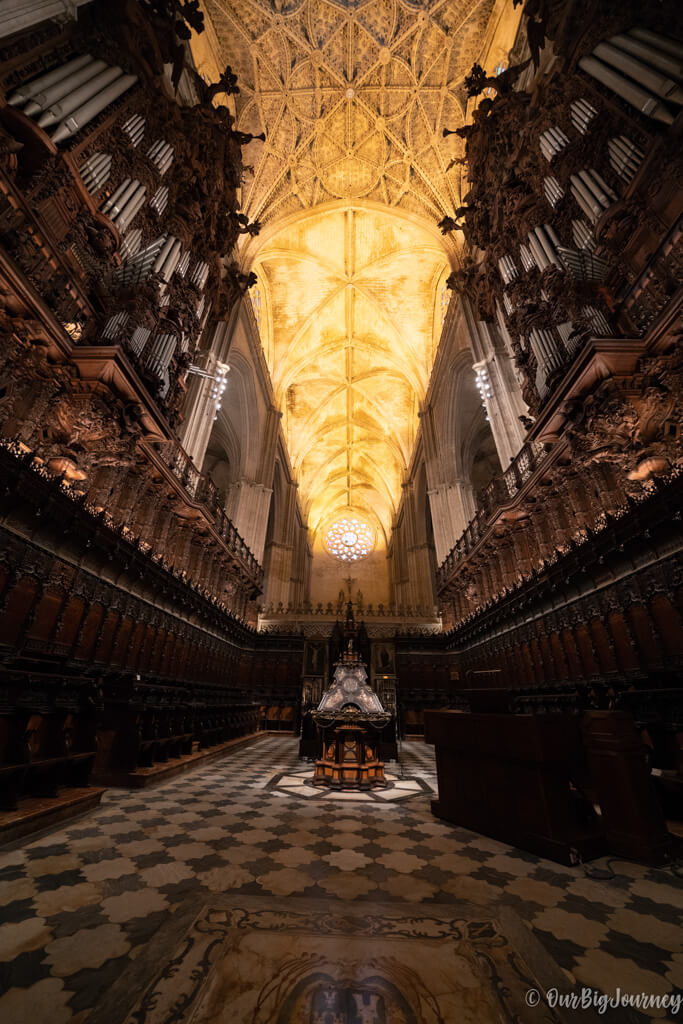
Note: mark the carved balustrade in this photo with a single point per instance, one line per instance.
(501, 492)
(202, 490)
(608, 605)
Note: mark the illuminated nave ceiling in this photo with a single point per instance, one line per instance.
(349, 185)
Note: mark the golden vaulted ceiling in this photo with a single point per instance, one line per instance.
(352, 178)
(351, 313)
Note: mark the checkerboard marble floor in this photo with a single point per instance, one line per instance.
(79, 904)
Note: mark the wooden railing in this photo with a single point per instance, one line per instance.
(501, 491)
(201, 490)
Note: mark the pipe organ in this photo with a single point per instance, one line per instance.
(582, 273)
(118, 203)
(640, 66)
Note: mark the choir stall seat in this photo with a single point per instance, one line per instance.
(47, 736)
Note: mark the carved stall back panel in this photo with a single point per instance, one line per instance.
(45, 616)
(107, 637)
(91, 626)
(71, 620)
(20, 601)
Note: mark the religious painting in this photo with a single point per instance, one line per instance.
(314, 659)
(383, 658)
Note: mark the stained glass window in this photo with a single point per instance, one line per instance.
(349, 538)
(500, 68)
(255, 295)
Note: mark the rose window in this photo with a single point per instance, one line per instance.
(349, 539)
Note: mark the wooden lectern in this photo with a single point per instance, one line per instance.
(515, 778)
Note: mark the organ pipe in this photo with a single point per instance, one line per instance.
(582, 113)
(95, 171)
(526, 257)
(132, 207)
(639, 98)
(134, 128)
(80, 117)
(114, 209)
(166, 162)
(114, 325)
(538, 251)
(27, 92)
(585, 198)
(138, 340)
(116, 195)
(58, 111)
(658, 84)
(545, 236)
(131, 244)
(664, 62)
(165, 249)
(583, 236)
(624, 156)
(171, 261)
(661, 42)
(64, 87)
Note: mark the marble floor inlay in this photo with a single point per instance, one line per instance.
(298, 783)
(81, 906)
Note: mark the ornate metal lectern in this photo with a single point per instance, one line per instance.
(350, 717)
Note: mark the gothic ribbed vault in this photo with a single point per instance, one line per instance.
(351, 301)
(352, 97)
(352, 178)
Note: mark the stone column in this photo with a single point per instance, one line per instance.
(451, 501)
(279, 574)
(283, 576)
(248, 505)
(452, 506)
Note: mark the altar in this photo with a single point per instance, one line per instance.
(350, 718)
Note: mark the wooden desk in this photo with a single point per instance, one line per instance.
(508, 777)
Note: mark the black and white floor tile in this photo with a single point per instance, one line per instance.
(78, 905)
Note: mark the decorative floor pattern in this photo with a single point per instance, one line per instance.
(80, 905)
(331, 962)
(298, 783)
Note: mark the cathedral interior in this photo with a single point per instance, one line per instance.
(341, 561)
